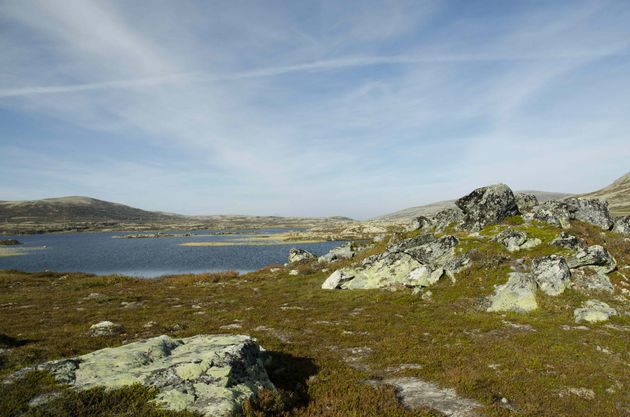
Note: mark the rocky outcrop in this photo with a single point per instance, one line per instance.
(552, 274)
(344, 251)
(595, 257)
(299, 255)
(515, 240)
(589, 280)
(105, 328)
(594, 311)
(415, 262)
(419, 223)
(565, 240)
(554, 212)
(444, 218)
(525, 202)
(487, 205)
(622, 225)
(591, 211)
(518, 294)
(211, 375)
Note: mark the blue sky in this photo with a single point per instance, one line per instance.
(310, 107)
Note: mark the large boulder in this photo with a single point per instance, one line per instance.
(344, 251)
(525, 202)
(299, 255)
(444, 218)
(622, 225)
(419, 223)
(211, 375)
(487, 205)
(552, 274)
(591, 211)
(518, 294)
(594, 257)
(565, 240)
(594, 311)
(515, 240)
(588, 280)
(554, 212)
(106, 328)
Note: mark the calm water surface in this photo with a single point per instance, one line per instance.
(101, 254)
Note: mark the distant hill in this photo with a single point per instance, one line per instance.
(431, 209)
(617, 194)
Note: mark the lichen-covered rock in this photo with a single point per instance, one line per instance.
(622, 225)
(589, 280)
(212, 375)
(518, 294)
(525, 202)
(419, 223)
(344, 251)
(383, 272)
(591, 211)
(515, 240)
(595, 257)
(554, 212)
(444, 218)
(299, 255)
(594, 311)
(106, 328)
(337, 278)
(552, 274)
(487, 205)
(565, 240)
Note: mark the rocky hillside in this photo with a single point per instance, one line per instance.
(616, 194)
(433, 208)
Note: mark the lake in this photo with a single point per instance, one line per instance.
(100, 253)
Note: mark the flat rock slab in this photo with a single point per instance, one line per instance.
(210, 374)
(415, 393)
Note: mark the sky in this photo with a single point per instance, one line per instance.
(310, 108)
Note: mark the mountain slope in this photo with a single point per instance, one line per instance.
(431, 209)
(617, 194)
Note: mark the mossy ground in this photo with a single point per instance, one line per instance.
(318, 338)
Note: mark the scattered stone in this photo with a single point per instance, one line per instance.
(444, 218)
(299, 255)
(131, 304)
(212, 375)
(419, 223)
(230, 326)
(585, 393)
(274, 270)
(515, 240)
(94, 296)
(487, 205)
(588, 280)
(106, 328)
(525, 202)
(416, 393)
(44, 399)
(518, 294)
(593, 256)
(344, 251)
(591, 211)
(294, 272)
(565, 240)
(552, 274)
(427, 296)
(554, 212)
(622, 225)
(594, 311)
(150, 324)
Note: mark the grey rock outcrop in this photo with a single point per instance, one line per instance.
(515, 240)
(565, 240)
(552, 274)
(594, 311)
(591, 211)
(106, 328)
(622, 225)
(554, 212)
(212, 375)
(589, 280)
(595, 257)
(487, 205)
(518, 294)
(299, 255)
(525, 202)
(419, 223)
(344, 251)
(444, 218)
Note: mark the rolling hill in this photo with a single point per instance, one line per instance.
(617, 194)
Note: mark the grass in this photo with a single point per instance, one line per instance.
(310, 334)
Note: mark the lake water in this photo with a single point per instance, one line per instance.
(101, 254)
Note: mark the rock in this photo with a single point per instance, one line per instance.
(525, 202)
(622, 225)
(591, 211)
(299, 255)
(595, 257)
(518, 294)
(589, 280)
(552, 274)
(444, 218)
(344, 251)
(335, 280)
(10, 242)
(294, 272)
(565, 240)
(487, 205)
(106, 328)
(211, 375)
(515, 240)
(416, 393)
(594, 311)
(419, 223)
(44, 399)
(388, 271)
(554, 212)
